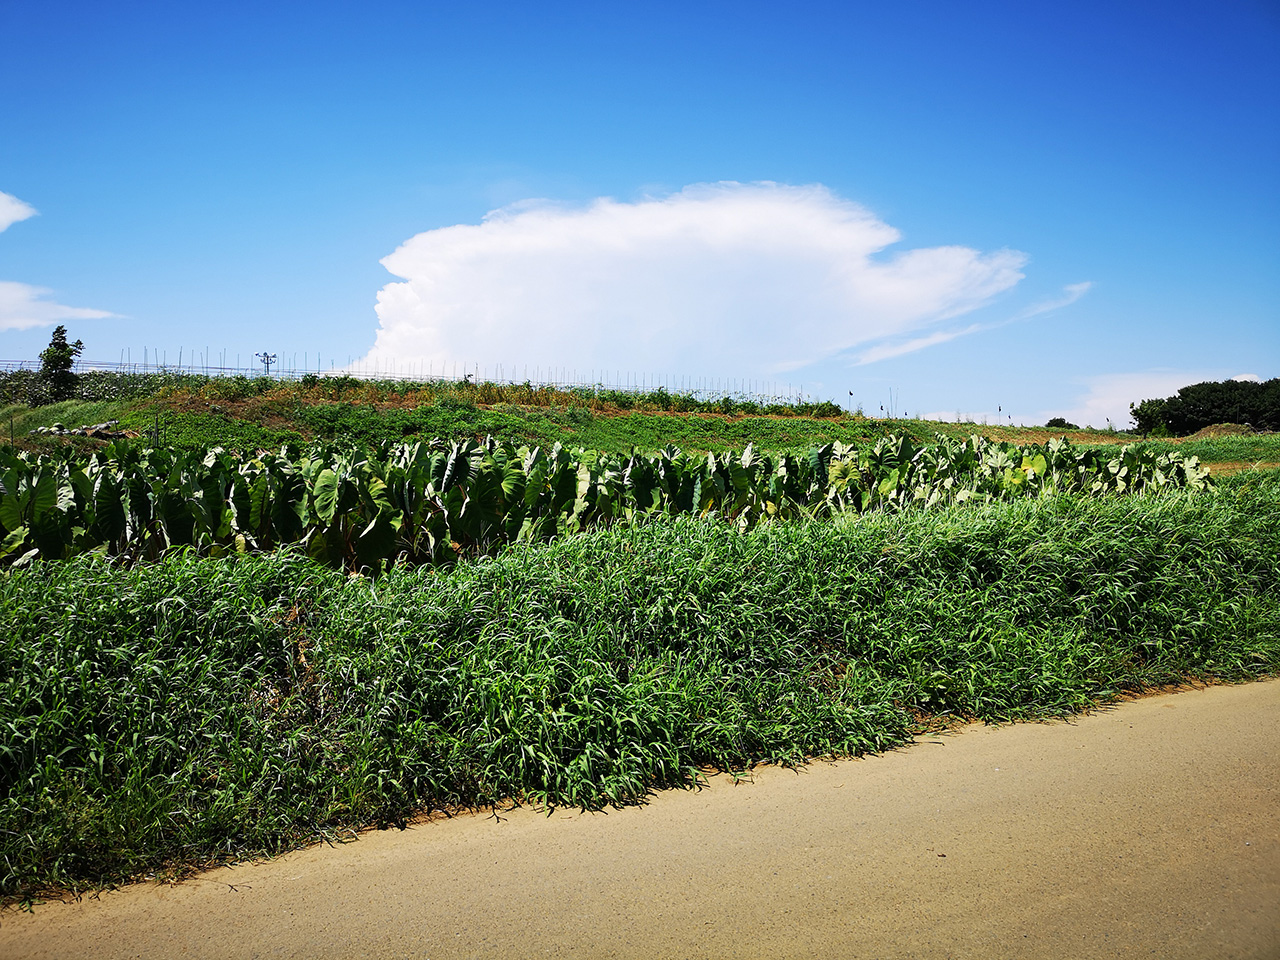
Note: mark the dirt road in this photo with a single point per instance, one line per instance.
(1148, 830)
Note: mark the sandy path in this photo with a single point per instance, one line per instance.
(1152, 829)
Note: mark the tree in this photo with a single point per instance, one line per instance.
(1149, 415)
(1231, 401)
(1060, 423)
(1204, 404)
(56, 381)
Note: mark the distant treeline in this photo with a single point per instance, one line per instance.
(1204, 404)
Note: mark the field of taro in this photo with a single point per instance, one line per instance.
(431, 502)
(209, 656)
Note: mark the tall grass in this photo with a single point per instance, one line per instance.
(199, 710)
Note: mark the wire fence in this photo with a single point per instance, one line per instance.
(566, 379)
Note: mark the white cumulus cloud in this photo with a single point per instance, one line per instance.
(23, 306)
(12, 210)
(743, 279)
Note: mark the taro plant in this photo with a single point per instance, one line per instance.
(429, 502)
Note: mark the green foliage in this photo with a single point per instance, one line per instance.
(1150, 416)
(719, 434)
(269, 411)
(448, 418)
(1060, 423)
(109, 385)
(100, 385)
(578, 425)
(196, 710)
(56, 381)
(366, 508)
(1205, 404)
(198, 432)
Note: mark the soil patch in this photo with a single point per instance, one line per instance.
(1222, 430)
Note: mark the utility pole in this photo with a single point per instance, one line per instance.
(267, 360)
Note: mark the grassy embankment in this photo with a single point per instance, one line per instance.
(194, 710)
(197, 412)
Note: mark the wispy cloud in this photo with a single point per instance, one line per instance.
(749, 279)
(1070, 294)
(23, 306)
(885, 351)
(12, 210)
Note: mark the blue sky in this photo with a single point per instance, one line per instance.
(1047, 209)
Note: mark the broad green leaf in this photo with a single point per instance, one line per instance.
(11, 509)
(325, 494)
(177, 517)
(288, 507)
(44, 498)
(889, 485)
(108, 508)
(13, 541)
(376, 542)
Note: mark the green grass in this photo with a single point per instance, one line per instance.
(195, 711)
(1254, 448)
(70, 413)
